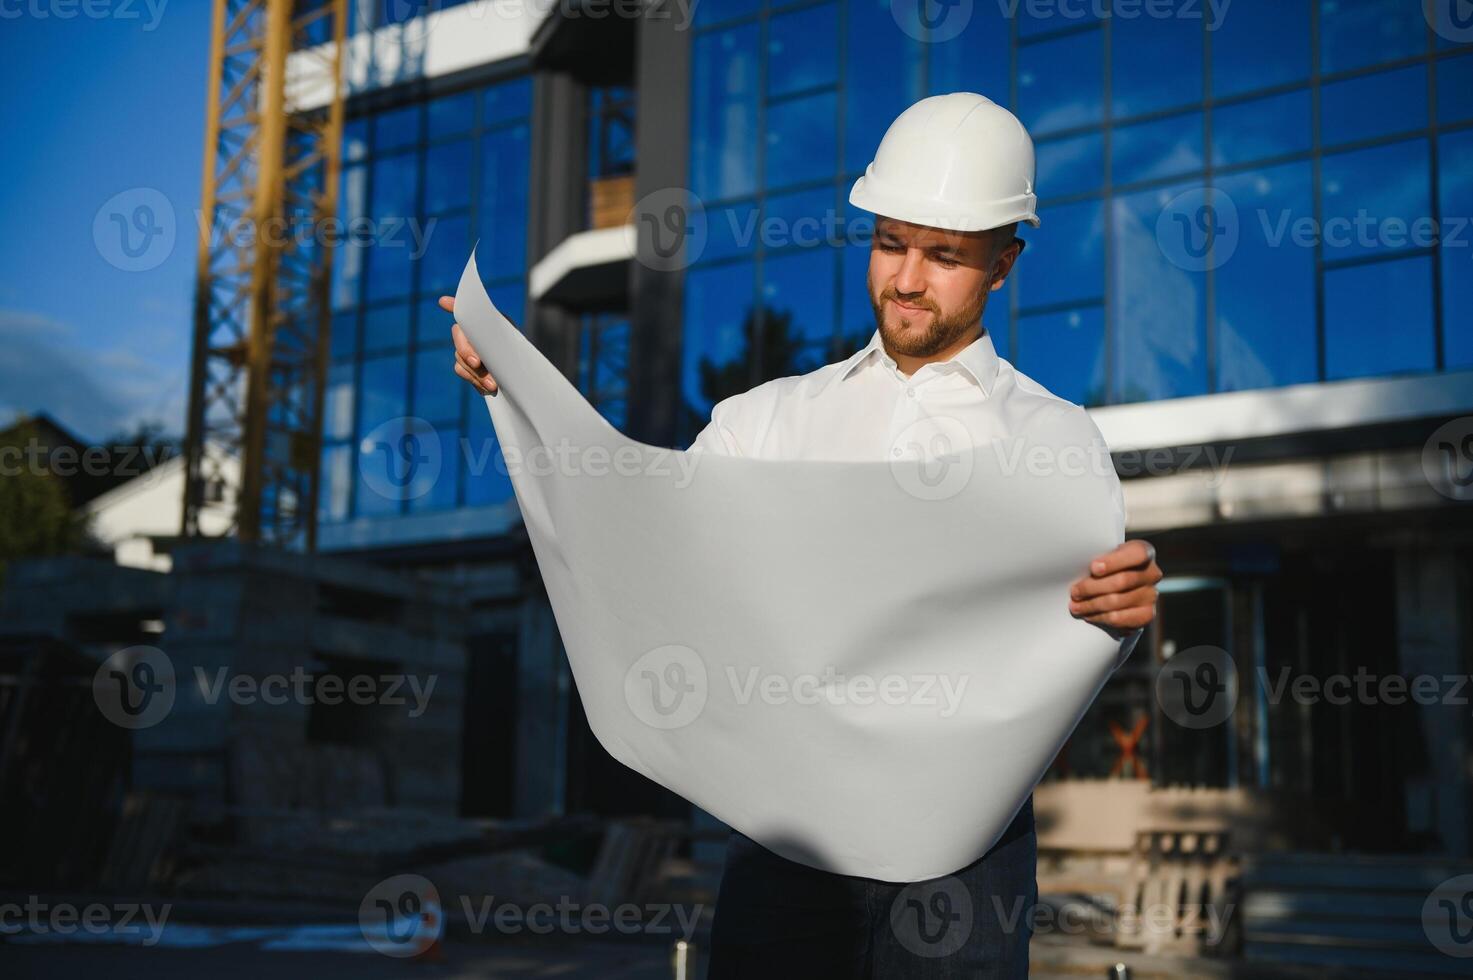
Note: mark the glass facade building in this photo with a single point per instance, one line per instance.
(1185, 170)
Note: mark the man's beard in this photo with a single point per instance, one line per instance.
(939, 332)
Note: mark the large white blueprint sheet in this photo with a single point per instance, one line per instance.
(859, 672)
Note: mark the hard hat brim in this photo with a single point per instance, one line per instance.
(872, 196)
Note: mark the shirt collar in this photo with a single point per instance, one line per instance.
(978, 359)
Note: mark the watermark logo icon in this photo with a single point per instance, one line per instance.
(671, 227)
(667, 687)
(932, 458)
(935, 21)
(134, 688)
(1447, 459)
(1198, 229)
(1198, 687)
(1447, 916)
(932, 918)
(1451, 19)
(402, 916)
(409, 20)
(401, 459)
(135, 230)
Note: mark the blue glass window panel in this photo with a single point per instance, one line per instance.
(718, 303)
(1455, 89)
(432, 325)
(857, 224)
(439, 493)
(1065, 258)
(511, 300)
(730, 230)
(436, 387)
(856, 313)
(337, 402)
(506, 101)
(385, 327)
(720, 11)
(344, 339)
(1261, 43)
(393, 185)
(1073, 165)
(389, 268)
(383, 386)
(336, 483)
(801, 140)
(1451, 21)
(1370, 187)
(997, 317)
(446, 247)
(1357, 33)
(1265, 327)
(1373, 105)
(396, 128)
(355, 139)
(1455, 190)
(1378, 318)
(1061, 83)
(486, 480)
(452, 115)
(1261, 128)
(724, 103)
(805, 219)
(1065, 352)
(1157, 309)
(1170, 147)
(1042, 17)
(802, 49)
(348, 257)
(975, 59)
(447, 177)
(503, 202)
(1148, 50)
(800, 285)
(872, 99)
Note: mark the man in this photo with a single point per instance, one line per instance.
(951, 181)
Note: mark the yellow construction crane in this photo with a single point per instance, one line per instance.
(262, 306)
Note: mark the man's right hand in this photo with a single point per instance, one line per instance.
(467, 364)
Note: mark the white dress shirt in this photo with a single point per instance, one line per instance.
(861, 409)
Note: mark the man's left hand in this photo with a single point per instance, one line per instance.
(1119, 593)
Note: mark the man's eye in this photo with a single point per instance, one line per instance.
(948, 263)
(890, 247)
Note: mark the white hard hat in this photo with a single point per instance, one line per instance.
(958, 161)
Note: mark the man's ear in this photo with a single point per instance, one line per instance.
(1005, 262)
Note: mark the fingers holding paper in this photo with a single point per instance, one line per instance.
(1119, 593)
(468, 364)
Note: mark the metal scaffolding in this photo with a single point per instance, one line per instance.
(262, 306)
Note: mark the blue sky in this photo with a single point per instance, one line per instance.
(95, 107)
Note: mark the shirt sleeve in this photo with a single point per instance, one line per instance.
(717, 437)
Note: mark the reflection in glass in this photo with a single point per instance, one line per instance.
(1065, 352)
(1147, 50)
(724, 98)
(1261, 43)
(1265, 329)
(1065, 258)
(1054, 83)
(802, 49)
(801, 140)
(1157, 309)
(1378, 318)
(1260, 128)
(1170, 147)
(1373, 105)
(1364, 189)
(1368, 32)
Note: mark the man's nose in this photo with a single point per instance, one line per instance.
(909, 279)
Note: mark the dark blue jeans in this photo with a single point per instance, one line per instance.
(776, 918)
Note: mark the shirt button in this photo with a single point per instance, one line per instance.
(895, 452)
(910, 393)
